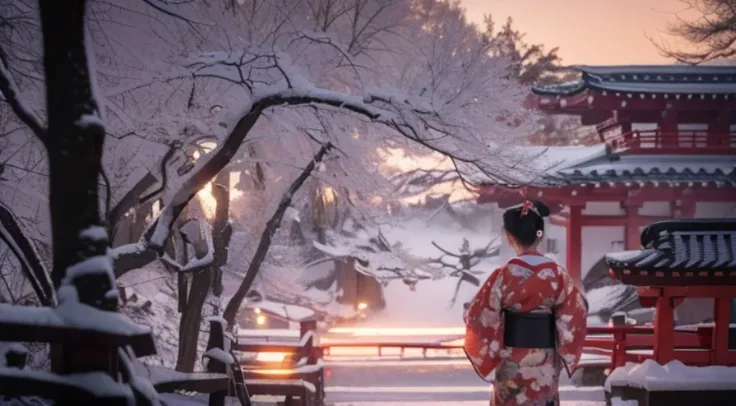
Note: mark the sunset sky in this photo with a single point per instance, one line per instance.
(594, 32)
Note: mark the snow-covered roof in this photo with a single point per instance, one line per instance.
(592, 165)
(289, 312)
(682, 245)
(640, 169)
(662, 79)
(533, 164)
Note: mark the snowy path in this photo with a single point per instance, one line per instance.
(425, 383)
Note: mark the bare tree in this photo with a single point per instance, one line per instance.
(463, 263)
(712, 34)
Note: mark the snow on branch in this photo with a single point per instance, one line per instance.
(411, 117)
(12, 95)
(196, 264)
(30, 261)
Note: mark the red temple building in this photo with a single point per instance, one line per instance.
(667, 151)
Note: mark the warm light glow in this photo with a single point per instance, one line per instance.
(261, 320)
(272, 371)
(329, 195)
(257, 310)
(207, 201)
(396, 160)
(362, 306)
(271, 356)
(378, 331)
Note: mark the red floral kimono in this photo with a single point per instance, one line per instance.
(525, 376)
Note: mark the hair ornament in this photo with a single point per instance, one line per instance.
(528, 205)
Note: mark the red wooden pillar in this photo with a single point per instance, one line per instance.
(664, 330)
(575, 243)
(721, 309)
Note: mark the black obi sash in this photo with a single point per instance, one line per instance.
(529, 330)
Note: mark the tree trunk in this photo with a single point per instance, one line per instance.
(191, 321)
(191, 317)
(74, 142)
(221, 229)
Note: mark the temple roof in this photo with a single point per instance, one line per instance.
(660, 79)
(719, 170)
(681, 245)
(596, 165)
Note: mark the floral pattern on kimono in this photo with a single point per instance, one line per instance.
(525, 376)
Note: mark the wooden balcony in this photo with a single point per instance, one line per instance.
(678, 142)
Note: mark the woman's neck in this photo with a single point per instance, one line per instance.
(527, 251)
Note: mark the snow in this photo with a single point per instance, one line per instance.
(97, 383)
(71, 313)
(89, 266)
(6, 347)
(156, 374)
(196, 264)
(531, 163)
(251, 334)
(89, 120)
(616, 401)
(220, 355)
(606, 297)
(674, 375)
(286, 311)
(126, 249)
(94, 233)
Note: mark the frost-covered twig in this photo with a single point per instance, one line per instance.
(30, 261)
(12, 95)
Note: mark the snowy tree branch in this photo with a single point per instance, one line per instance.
(12, 95)
(30, 261)
(196, 264)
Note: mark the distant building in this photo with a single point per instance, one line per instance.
(667, 149)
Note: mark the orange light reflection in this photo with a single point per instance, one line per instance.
(385, 331)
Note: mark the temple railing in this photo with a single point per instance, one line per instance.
(681, 141)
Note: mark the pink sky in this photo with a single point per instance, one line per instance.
(594, 32)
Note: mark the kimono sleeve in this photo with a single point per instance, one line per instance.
(571, 313)
(484, 327)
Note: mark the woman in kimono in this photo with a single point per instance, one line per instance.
(528, 321)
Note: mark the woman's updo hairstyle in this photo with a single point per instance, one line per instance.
(525, 222)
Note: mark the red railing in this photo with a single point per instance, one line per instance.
(681, 141)
(693, 345)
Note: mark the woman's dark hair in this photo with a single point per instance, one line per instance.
(524, 222)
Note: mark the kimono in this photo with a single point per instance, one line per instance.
(525, 376)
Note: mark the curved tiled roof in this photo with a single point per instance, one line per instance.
(663, 79)
(700, 247)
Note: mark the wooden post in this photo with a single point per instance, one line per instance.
(309, 351)
(664, 330)
(216, 340)
(575, 244)
(721, 313)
